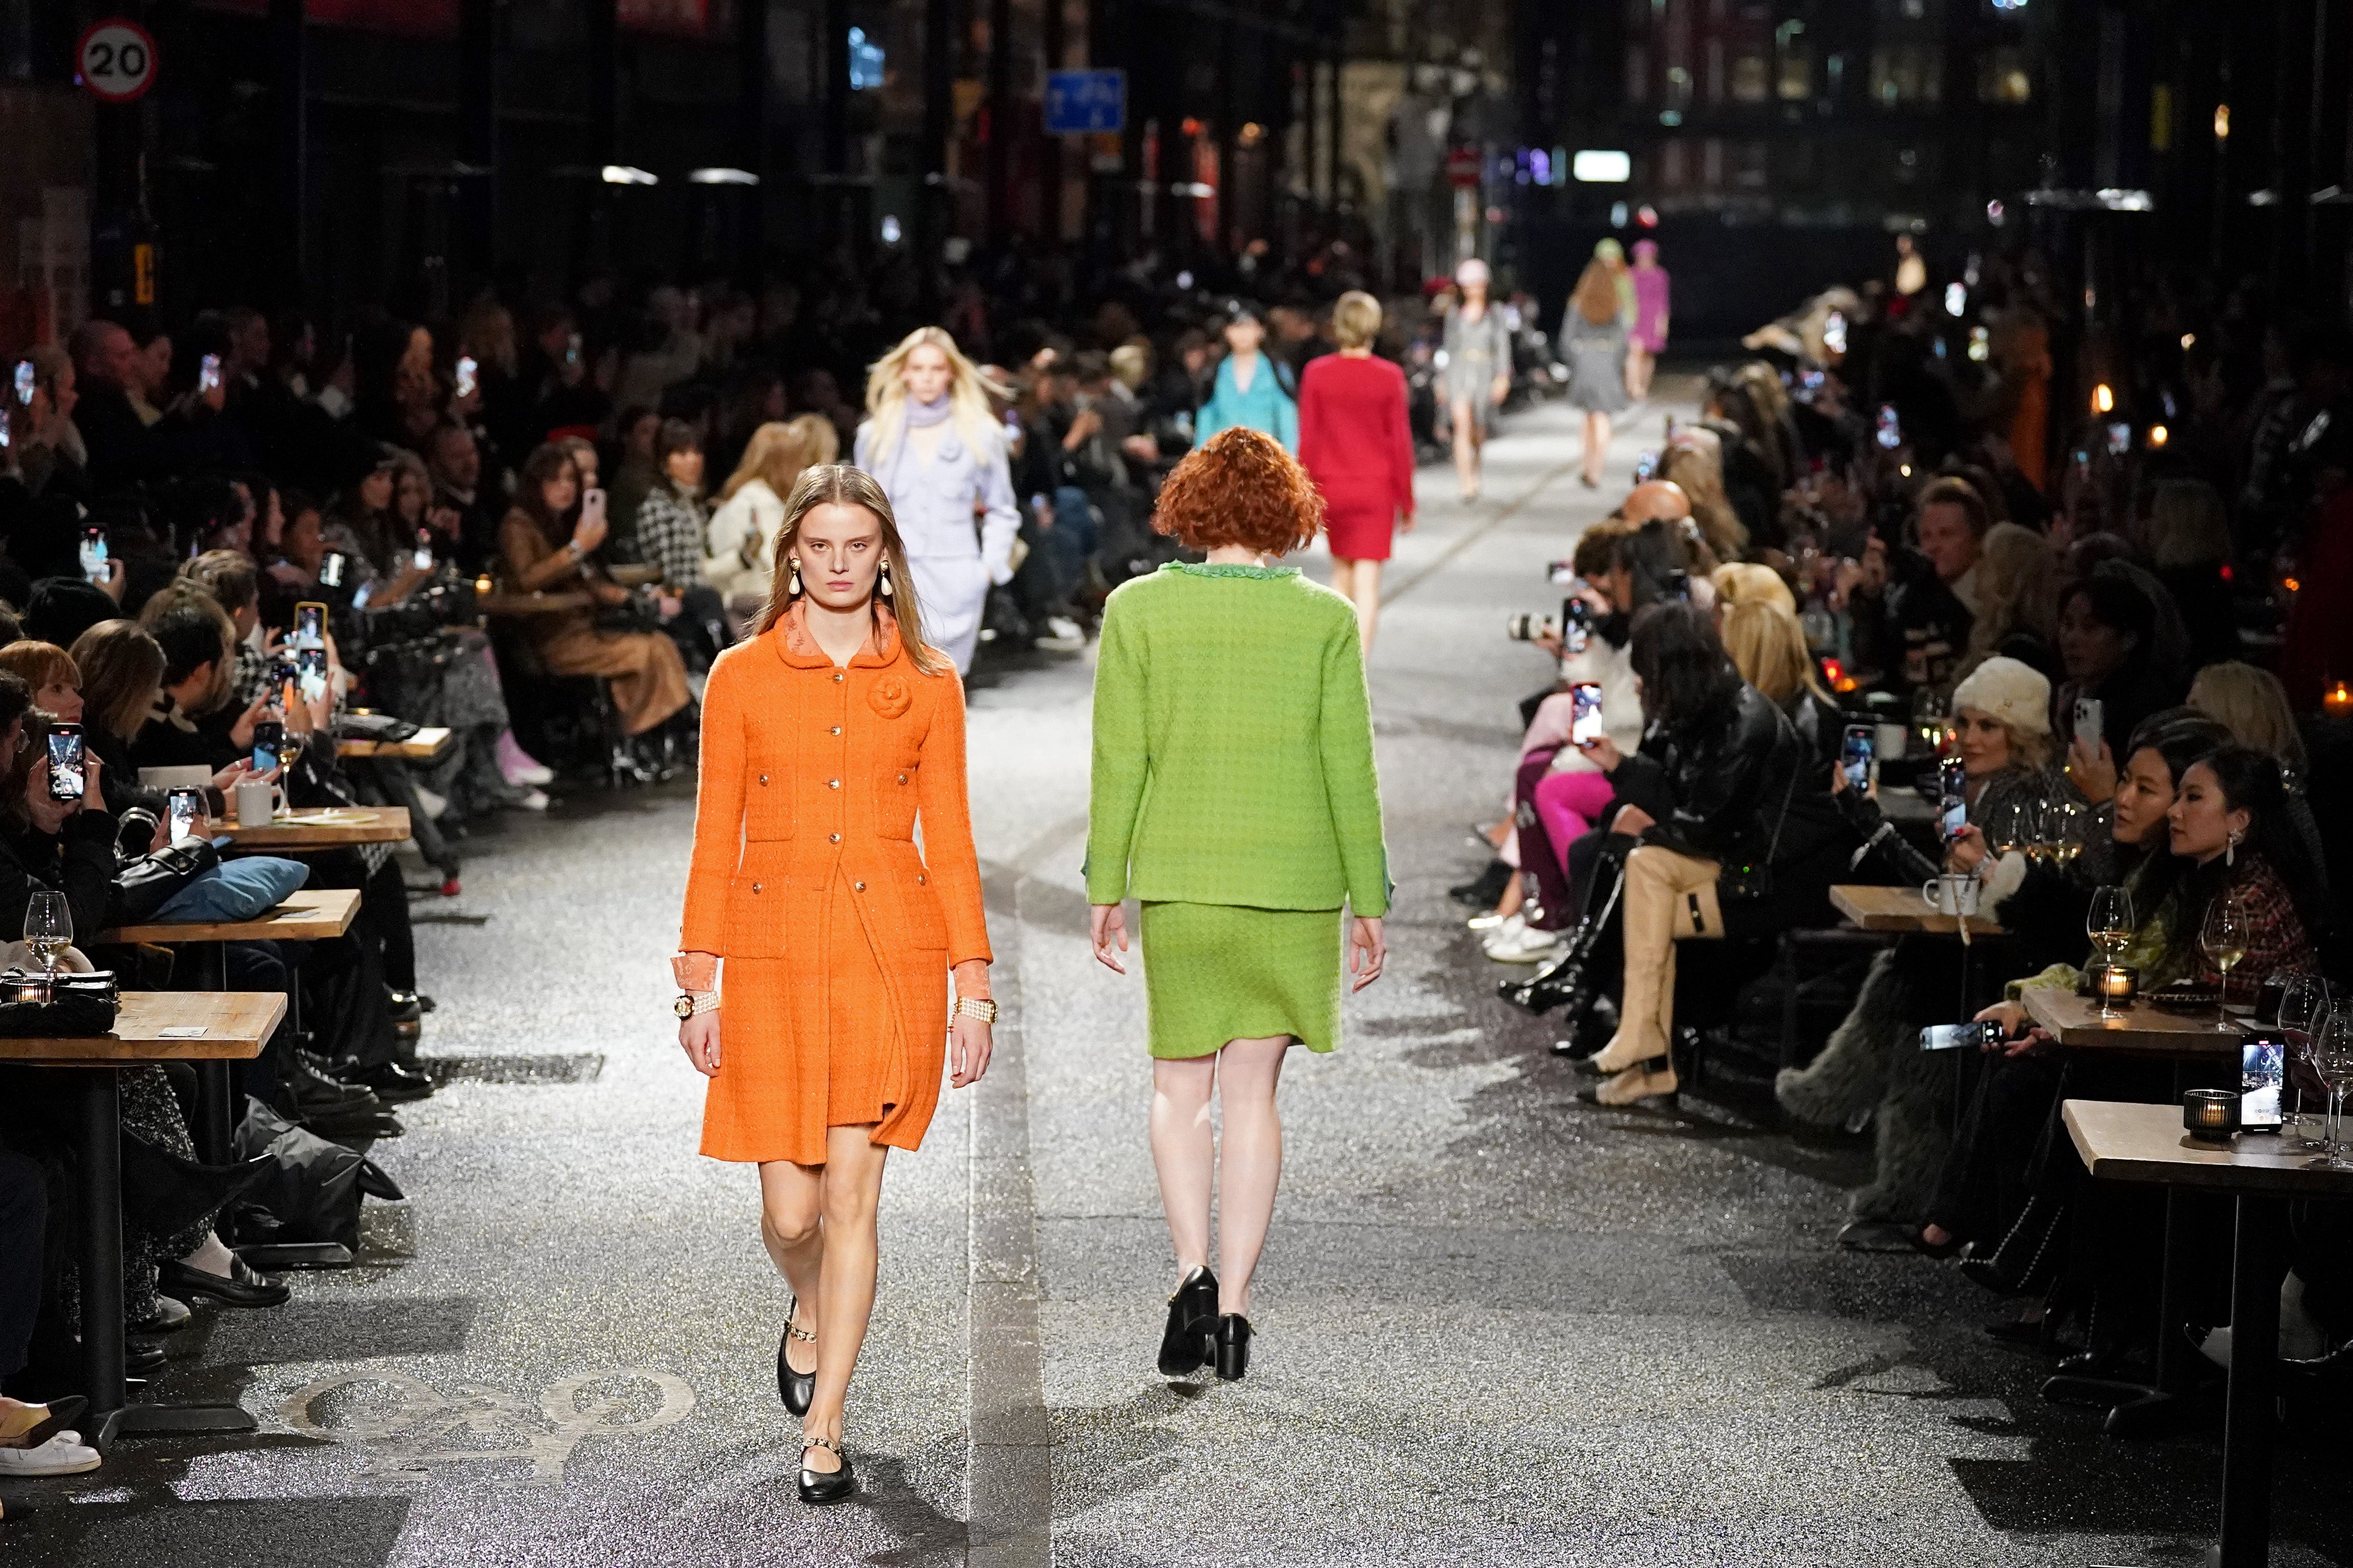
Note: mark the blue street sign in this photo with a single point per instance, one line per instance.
(1081, 102)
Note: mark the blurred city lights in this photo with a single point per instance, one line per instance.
(2104, 398)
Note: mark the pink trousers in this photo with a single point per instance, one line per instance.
(1568, 803)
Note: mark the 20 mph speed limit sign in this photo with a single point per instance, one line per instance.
(117, 60)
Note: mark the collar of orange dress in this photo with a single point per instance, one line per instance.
(799, 650)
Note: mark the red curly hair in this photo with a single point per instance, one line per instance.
(1239, 487)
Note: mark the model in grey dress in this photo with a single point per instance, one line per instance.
(1596, 356)
(1477, 351)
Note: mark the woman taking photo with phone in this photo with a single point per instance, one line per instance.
(548, 541)
(1233, 794)
(829, 738)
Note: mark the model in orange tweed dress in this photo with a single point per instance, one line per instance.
(825, 739)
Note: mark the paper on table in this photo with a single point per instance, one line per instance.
(182, 1032)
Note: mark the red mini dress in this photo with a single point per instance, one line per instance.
(1356, 445)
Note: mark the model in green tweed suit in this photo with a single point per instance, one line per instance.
(1234, 796)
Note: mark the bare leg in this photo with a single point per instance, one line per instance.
(1250, 1166)
(1516, 893)
(1596, 445)
(1365, 592)
(1344, 578)
(1639, 365)
(1465, 420)
(853, 1191)
(791, 1210)
(1185, 1152)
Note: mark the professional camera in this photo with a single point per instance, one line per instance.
(1571, 626)
(1529, 627)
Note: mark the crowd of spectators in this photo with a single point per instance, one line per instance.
(1880, 617)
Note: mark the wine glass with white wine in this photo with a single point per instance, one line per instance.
(2109, 925)
(2304, 1007)
(49, 930)
(2224, 940)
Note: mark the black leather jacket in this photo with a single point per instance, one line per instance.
(1715, 786)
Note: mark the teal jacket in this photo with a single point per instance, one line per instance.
(1233, 746)
(1268, 407)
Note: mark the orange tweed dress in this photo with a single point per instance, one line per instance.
(835, 931)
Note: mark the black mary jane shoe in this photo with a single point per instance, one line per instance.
(1233, 1347)
(795, 1388)
(1188, 1339)
(822, 1488)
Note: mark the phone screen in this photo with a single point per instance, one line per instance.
(93, 554)
(187, 813)
(2119, 438)
(424, 556)
(360, 598)
(1855, 754)
(1954, 817)
(207, 372)
(65, 762)
(1013, 424)
(24, 380)
(311, 624)
(331, 570)
(1584, 712)
(1958, 1037)
(1890, 432)
(311, 672)
(2263, 1069)
(269, 741)
(466, 369)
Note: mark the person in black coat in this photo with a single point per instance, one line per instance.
(1715, 797)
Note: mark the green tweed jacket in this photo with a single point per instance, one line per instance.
(1233, 746)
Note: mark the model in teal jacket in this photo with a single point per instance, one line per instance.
(1233, 746)
(1266, 407)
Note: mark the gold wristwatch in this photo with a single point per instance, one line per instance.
(689, 1003)
(980, 1007)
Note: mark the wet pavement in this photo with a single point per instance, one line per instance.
(1496, 1326)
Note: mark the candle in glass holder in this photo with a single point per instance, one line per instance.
(482, 585)
(2337, 701)
(2211, 1113)
(2117, 983)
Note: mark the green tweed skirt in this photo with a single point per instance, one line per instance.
(1216, 973)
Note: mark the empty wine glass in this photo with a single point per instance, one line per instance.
(2005, 828)
(2224, 940)
(2334, 1049)
(2304, 1005)
(2109, 925)
(49, 930)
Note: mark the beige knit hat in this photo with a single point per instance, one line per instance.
(2017, 694)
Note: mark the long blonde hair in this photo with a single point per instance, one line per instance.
(1768, 645)
(968, 395)
(842, 485)
(774, 455)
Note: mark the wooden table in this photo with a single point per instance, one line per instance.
(513, 603)
(309, 914)
(2142, 1030)
(232, 1026)
(1874, 908)
(635, 574)
(322, 828)
(422, 747)
(2146, 1144)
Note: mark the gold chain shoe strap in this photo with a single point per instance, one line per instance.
(818, 1440)
(795, 1329)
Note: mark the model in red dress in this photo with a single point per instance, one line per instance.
(1355, 443)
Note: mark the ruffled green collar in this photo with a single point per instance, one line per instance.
(1228, 569)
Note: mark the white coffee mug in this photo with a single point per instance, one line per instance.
(1954, 893)
(257, 803)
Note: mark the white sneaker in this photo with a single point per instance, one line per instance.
(433, 803)
(536, 801)
(1491, 921)
(1064, 635)
(1526, 945)
(63, 1454)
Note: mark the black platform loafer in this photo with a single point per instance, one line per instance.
(242, 1288)
(397, 1085)
(795, 1388)
(1185, 1342)
(1233, 1347)
(821, 1489)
